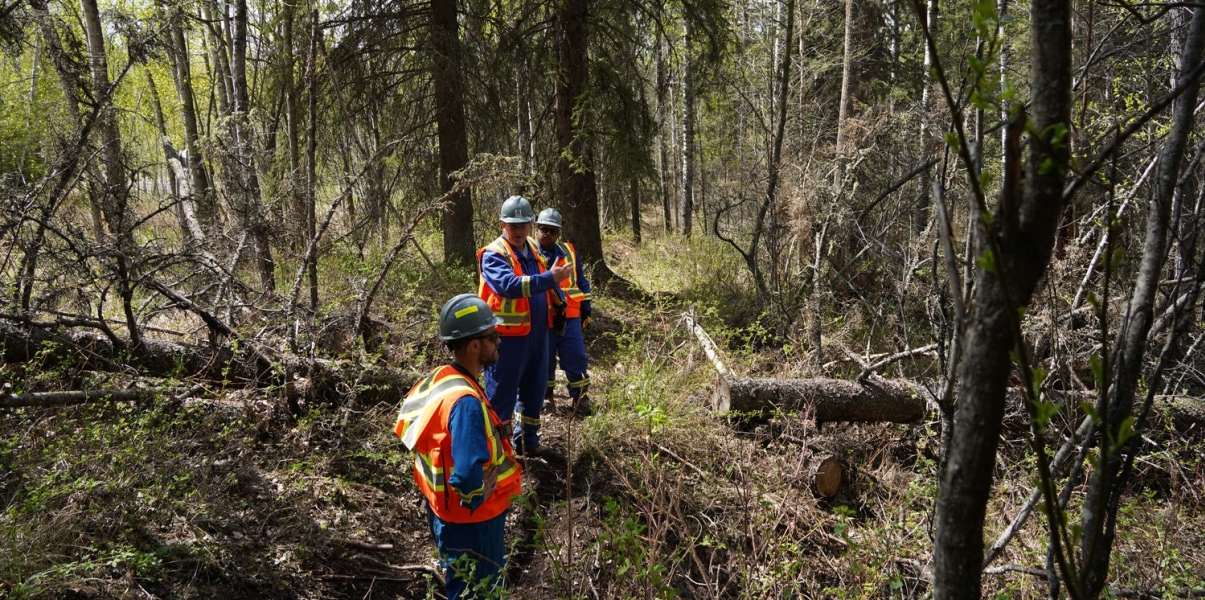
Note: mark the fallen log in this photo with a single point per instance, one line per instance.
(44, 399)
(308, 379)
(68, 398)
(827, 399)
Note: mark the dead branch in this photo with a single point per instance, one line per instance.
(69, 398)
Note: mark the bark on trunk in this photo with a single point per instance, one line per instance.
(634, 193)
(688, 134)
(255, 219)
(843, 103)
(200, 195)
(311, 157)
(1100, 505)
(116, 199)
(450, 122)
(665, 123)
(828, 399)
(1026, 238)
(578, 193)
(296, 178)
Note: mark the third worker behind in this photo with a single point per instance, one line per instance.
(569, 343)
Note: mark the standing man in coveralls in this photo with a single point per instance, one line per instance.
(464, 466)
(570, 345)
(519, 287)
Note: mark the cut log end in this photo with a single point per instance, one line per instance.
(721, 396)
(826, 475)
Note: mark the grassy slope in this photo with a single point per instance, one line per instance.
(232, 497)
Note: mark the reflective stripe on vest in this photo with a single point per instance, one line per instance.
(432, 400)
(574, 296)
(514, 312)
(420, 403)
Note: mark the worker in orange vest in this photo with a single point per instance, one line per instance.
(463, 465)
(569, 343)
(522, 291)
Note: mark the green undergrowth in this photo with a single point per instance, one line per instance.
(235, 496)
(223, 498)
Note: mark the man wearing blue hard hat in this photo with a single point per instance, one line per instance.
(520, 287)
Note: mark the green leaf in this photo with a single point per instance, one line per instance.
(1049, 165)
(1039, 377)
(1094, 300)
(987, 261)
(1126, 431)
(952, 141)
(1043, 411)
(1098, 369)
(975, 64)
(1009, 93)
(1115, 259)
(1056, 135)
(1090, 410)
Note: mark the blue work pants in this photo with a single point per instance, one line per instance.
(572, 349)
(473, 556)
(519, 378)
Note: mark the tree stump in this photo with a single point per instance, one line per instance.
(826, 474)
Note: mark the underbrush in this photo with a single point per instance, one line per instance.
(238, 496)
(199, 499)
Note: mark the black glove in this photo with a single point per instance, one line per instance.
(559, 320)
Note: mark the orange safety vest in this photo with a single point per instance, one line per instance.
(422, 425)
(514, 312)
(574, 296)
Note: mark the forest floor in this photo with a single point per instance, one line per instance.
(234, 495)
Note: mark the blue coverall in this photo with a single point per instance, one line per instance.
(473, 555)
(572, 345)
(520, 374)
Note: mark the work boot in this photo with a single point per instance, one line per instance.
(582, 406)
(548, 403)
(536, 450)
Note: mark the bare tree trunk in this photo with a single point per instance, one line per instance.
(771, 199)
(169, 155)
(926, 103)
(688, 131)
(254, 219)
(1100, 505)
(200, 196)
(299, 195)
(578, 194)
(116, 199)
(634, 193)
(1027, 223)
(665, 121)
(72, 151)
(450, 121)
(218, 55)
(311, 155)
(843, 104)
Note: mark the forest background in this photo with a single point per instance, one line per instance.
(227, 227)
